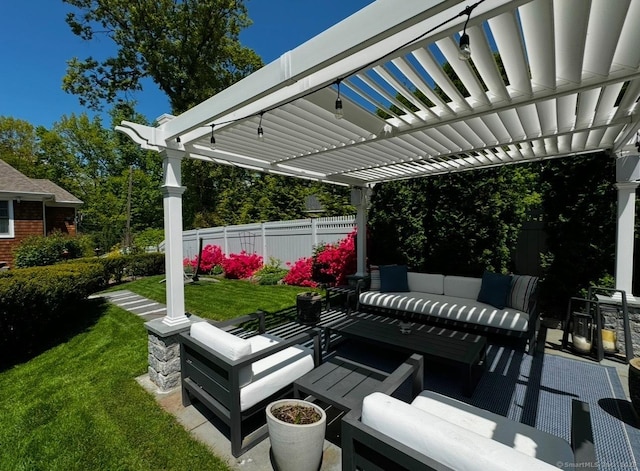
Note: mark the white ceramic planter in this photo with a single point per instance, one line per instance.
(296, 447)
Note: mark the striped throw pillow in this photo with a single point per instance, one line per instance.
(522, 288)
(375, 278)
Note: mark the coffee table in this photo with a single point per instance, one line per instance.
(344, 383)
(463, 351)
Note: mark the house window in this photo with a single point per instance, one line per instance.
(6, 219)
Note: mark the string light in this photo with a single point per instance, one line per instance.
(339, 111)
(260, 130)
(464, 54)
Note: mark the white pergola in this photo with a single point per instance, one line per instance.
(573, 82)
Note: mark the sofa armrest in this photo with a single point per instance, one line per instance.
(259, 315)
(582, 435)
(365, 448)
(230, 365)
(414, 367)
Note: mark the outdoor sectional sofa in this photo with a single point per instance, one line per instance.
(436, 432)
(493, 304)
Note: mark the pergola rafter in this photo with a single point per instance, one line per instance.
(548, 78)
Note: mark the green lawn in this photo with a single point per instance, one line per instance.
(77, 406)
(222, 299)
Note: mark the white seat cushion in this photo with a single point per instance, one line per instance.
(521, 437)
(447, 443)
(274, 372)
(448, 307)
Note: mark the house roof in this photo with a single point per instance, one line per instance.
(15, 183)
(60, 194)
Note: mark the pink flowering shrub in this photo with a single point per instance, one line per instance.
(242, 265)
(211, 256)
(331, 264)
(337, 261)
(300, 273)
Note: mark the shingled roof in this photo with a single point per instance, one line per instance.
(16, 183)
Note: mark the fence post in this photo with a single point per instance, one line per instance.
(314, 233)
(226, 242)
(263, 227)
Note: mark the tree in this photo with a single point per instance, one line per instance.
(18, 144)
(580, 215)
(190, 49)
(457, 224)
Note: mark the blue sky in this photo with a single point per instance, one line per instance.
(36, 42)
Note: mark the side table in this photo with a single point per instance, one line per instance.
(346, 291)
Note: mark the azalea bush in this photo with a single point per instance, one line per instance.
(334, 262)
(235, 266)
(211, 257)
(300, 273)
(241, 265)
(330, 264)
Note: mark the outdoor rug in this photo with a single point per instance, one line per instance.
(536, 391)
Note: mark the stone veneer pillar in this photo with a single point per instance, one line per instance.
(164, 352)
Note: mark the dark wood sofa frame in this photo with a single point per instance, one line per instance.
(213, 380)
(364, 448)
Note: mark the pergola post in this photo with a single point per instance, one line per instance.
(172, 190)
(360, 199)
(627, 175)
(625, 235)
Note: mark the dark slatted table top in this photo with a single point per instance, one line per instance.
(341, 382)
(448, 345)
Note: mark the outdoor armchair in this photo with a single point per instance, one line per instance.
(435, 432)
(235, 378)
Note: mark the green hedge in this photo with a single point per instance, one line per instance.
(140, 264)
(35, 300)
(36, 251)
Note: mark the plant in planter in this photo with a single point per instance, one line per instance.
(296, 431)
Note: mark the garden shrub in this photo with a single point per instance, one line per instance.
(35, 299)
(300, 273)
(117, 266)
(145, 264)
(270, 274)
(242, 265)
(212, 256)
(35, 251)
(335, 262)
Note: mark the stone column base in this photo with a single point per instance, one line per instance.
(164, 353)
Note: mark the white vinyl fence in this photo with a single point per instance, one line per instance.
(286, 241)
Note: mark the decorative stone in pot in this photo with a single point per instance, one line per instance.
(296, 431)
(634, 383)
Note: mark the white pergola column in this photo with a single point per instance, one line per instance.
(360, 199)
(625, 235)
(172, 190)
